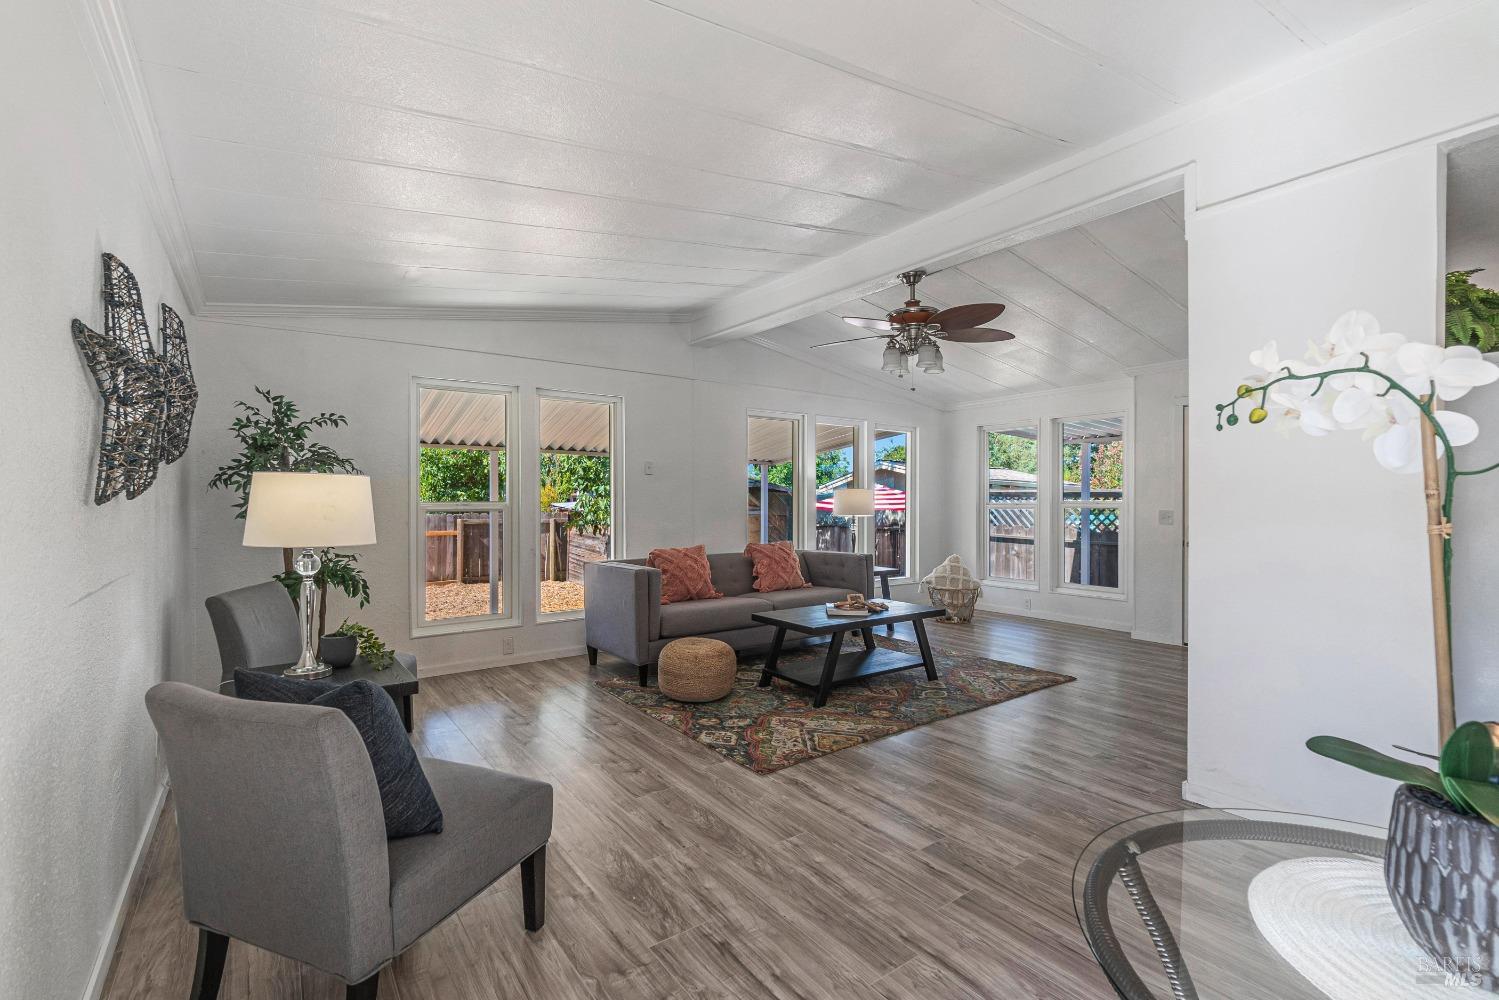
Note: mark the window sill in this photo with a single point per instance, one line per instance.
(1100, 593)
(546, 618)
(1010, 584)
(458, 626)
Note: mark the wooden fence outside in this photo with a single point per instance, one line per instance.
(464, 537)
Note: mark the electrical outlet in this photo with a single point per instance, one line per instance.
(1166, 517)
(1027, 604)
(650, 468)
(507, 645)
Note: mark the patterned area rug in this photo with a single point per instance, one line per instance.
(766, 729)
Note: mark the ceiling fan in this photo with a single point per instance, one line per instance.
(915, 330)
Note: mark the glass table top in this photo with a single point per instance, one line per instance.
(1246, 905)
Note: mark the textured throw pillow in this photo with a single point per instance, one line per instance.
(405, 795)
(777, 566)
(685, 575)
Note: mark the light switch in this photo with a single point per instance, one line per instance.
(1166, 517)
(650, 468)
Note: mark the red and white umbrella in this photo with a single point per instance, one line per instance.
(885, 499)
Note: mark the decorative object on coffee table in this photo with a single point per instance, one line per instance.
(953, 587)
(307, 511)
(769, 728)
(696, 669)
(149, 398)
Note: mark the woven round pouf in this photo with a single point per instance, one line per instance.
(696, 669)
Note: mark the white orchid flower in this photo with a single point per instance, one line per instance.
(1451, 371)
(1310, 408)
(1357, 333)
(1267, 357)
(1399, 448)
(1359, 407)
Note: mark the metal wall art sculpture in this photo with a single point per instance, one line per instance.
(149, 398)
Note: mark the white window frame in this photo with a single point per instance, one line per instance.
(801, 511)
(862, 467)
(1060, 504)
(1036, 507)
(616, 406)
(910, 433)
(510, 616)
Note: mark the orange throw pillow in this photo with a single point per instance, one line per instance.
(777, 566)
(685, 575)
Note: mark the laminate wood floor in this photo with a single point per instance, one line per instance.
(932, 864)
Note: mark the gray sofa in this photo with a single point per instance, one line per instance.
(623, 613)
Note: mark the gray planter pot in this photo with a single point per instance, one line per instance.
(338, 650)
(1442, 870)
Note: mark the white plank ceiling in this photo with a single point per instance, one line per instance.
(642, 155)
(1085, 305)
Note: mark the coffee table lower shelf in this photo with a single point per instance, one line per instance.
(851, 666)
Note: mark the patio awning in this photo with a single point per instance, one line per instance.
(461, 418)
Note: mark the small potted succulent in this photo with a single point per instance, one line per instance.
(351, 639)
(1442, 857)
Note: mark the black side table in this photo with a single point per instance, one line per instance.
(397, 681)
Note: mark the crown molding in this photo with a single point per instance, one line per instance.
(108, 46)
(500, 314)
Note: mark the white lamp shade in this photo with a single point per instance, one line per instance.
(853, 503)
(295, 510)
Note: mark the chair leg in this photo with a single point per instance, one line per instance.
(367, 990)
(593, 656)
(533, 887)
(210, 969)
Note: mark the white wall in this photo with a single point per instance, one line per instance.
(1475, 546)
(1309, 590)
(1149, 603)
(94, 597)
(684, 411)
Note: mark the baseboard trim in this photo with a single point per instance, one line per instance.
(1214, 798)
(105, 959)
(515, 659)
(1053, 616)
(1160, 638)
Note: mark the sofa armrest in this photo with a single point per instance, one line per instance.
(852, 572)
(622, 609)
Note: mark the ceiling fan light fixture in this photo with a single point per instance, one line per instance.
(893, 359)
(928, 357)
(936, 367)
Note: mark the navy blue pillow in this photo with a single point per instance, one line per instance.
(405, 794)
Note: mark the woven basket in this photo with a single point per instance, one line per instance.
(959, 603)
(696, 669)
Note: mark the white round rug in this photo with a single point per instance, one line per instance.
(1332, 920)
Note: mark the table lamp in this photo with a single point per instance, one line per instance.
(853, 503)
(309, 511)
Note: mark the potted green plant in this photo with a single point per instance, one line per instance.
(1442, 856)
(277, 438)
(351, 639)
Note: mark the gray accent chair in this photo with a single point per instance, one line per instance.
(623, 614)
(283, 838)
(257, 626)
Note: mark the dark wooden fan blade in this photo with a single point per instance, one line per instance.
(969, 316)
(983, 335)
(851, 340)
(869, 324)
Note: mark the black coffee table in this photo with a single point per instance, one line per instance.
(839, 667)
(397, 681)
